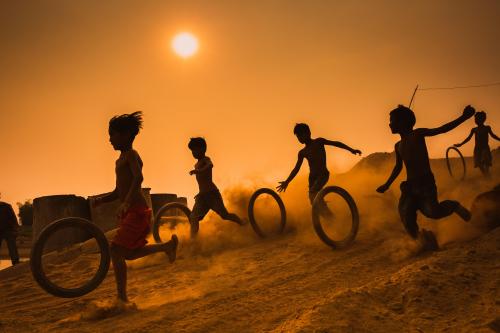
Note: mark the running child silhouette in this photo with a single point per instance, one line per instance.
(419, 191)
(209, 196)
(482, 153)
(315, 154)
(134, 215)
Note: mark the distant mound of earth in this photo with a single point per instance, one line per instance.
(486, 209)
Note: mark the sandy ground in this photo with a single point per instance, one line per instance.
(285, 284)
(231, 281)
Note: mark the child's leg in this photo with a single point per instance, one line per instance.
(120, 253)
(170, 248)
(323, 209)
(316, 185)
(408, 212)
(11, 244)
(200, 209)
(485, 170)
(120, 270)
(218, 207)
(430, 207)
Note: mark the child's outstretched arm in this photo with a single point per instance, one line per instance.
(468, 112)
(108, 197)
(466, 139)
(341, 145)
(395, 172)
(284, 184)
(493, 134)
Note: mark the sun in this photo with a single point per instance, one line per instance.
(185, 44)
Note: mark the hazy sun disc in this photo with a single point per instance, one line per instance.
(185, 44)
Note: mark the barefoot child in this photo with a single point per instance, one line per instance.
(315, 154)
(134, 214)
(482, 153)
(209, 196)
(419, 191)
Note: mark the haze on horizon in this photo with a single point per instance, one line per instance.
(262, 66)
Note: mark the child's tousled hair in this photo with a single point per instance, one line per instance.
(198, 142)
(130, 123)
(301, 128)
(480, 117)
(404, 115)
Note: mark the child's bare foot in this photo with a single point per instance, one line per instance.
(463, 212)
(171, 248)
(428, 241)
(122, 305)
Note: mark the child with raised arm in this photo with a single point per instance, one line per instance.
(134, 215)
(315, 154)
(209, 196)
(419, 191)
(482, 153)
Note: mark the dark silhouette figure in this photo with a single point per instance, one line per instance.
(134, 215)
(315, 154)
(209, 196)
(419, 191)
(8, 230)
(482, 153)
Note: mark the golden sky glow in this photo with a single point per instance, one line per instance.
(68, 66)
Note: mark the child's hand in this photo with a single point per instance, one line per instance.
(356, 152)
(383, 188)
(282, 186)
(122, 210)
(469, 111)
(192, 172)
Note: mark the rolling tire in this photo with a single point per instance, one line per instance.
(448, 165)
(157, 222)
(251, 215)
(37, 254)
(335, 244)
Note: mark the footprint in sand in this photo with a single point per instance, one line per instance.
(98, 310)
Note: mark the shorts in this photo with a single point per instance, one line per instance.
(482, 157)
(205, 201)
(421, 196)
(316, 184)
(133, 227)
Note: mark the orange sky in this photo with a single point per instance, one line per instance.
(68, 66)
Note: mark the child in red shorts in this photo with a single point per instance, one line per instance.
(134, 214)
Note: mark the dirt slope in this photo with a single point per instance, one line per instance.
(233, 282)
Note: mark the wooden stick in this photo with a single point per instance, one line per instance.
(413, 96)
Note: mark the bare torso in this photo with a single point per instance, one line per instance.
(124, 178)
(204, 178)
(481, 134)
(413, 151)
(315, 154)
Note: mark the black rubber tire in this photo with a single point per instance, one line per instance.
(448, 162)
(37, 252)
(251, 215)
(171, 205)
(335, 244)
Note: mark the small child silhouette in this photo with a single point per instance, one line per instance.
(482, 153)
(134, 215)
(209, 196)
(315, 154)
(419, 191)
